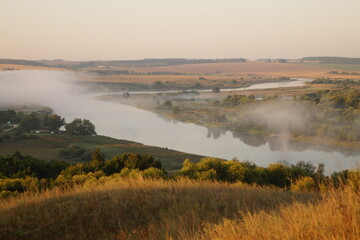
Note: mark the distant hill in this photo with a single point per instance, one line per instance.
(149, 62)
(333, 60)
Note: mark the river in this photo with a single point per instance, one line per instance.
(57, 90)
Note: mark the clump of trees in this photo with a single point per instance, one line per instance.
(331, 114)
(53, 122)
(337, 114)
(80, 127)
(234, 100)
(20, 173)
(276, 174)
(22, 166)
(9, 116)
(45, 121)
(117, 164)
(30, 122)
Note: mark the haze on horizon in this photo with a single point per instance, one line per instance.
(136, 29)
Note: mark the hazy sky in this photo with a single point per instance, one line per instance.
(136, 29)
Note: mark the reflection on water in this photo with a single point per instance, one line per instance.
(215, 133)
(251, 140)
(280, 144)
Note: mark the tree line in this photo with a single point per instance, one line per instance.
(20, 173)
(43, 120)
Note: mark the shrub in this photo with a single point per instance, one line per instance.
(304, 184)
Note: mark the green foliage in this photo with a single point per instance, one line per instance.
(53, 122)
(304, 184)
(234, 100)
(30, 122)
(115, 165)
(20, 166)
(72, 152)
(214, 169)
(80, 127)
(8, 116)
(154, 173)
(97, 160)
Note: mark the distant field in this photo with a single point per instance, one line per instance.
(260, 68)
(214, 72)
(179, 79)
(219, 73)
(340, 67)
(247, 69)
(27, 67)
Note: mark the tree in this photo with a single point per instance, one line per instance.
(80, 127)
(53, 122)
(97, 160)
(30, 122)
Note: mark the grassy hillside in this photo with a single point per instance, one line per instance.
(128, 208)
(336, 217)
(78, 148)
(136, 209)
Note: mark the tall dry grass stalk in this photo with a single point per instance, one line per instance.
(337, 216)
(135, 209)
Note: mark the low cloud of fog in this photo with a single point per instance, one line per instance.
(283, 118)
(33, 87)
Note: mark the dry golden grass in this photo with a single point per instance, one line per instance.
(337, 217)
(136, 209)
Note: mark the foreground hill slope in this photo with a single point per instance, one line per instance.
(136, 209)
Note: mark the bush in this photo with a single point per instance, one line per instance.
(154, 173)
(304, 184)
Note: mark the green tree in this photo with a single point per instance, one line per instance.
(97, 160)
(80, 127)
(30, 122)
(53, 122)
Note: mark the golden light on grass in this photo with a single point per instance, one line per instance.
(135, 209)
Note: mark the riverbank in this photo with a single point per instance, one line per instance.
(204, 109)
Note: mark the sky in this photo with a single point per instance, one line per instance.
(137, 29)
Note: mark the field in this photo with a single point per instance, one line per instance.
(253, 67)
(27, 67)
(226, 74)
(221, 74)
(339, 67)
(48, 147)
